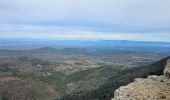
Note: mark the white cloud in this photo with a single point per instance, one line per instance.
(52, 32)
(105, 18)
(145, 13)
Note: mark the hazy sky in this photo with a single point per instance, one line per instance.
(146, 20)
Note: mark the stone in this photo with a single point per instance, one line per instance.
(150, 88)
(167, 69)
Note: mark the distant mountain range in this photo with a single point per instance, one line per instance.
(104, 45)
(83, 42)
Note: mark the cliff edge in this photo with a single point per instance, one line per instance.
(150, 88)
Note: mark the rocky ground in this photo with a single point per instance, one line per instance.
(151, 88)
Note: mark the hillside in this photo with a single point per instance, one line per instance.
(105, 91)
(71, 73)
(151, 88)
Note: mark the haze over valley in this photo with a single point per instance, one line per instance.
(84, 49)
(71, 69)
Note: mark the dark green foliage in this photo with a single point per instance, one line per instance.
(60, 79)
(9, 71)
(56, 79)
(123, 77)
(3, 97)
(35, 62)
(79, 75)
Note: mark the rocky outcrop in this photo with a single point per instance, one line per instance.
(150, 88)
(167, 69)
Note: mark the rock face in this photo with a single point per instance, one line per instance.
(150, 88)
(167, 69)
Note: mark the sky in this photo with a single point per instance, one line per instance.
(140, 20)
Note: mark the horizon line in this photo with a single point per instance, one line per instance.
(82, 39)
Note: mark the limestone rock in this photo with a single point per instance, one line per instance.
(150, 88)
(167, 69)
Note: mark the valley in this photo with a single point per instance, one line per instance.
(69, 74)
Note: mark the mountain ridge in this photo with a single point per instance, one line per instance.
(151, 88)
(105, 92)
